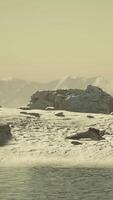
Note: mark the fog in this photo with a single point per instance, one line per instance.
(47, 40)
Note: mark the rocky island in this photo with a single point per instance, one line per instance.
(38, 135)
(90, 100)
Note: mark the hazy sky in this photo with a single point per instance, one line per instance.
(47, 39)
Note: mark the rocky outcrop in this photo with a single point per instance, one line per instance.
(5, 134)
(54, 98)
(91, 100)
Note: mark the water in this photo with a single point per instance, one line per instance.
(50, 183)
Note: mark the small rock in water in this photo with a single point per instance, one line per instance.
(33, 114)
(24, 108)
(59, 114)
(90, 116)
(76, 143)
(24, 113)
(5, 134)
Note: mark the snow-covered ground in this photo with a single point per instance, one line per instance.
(43, 140)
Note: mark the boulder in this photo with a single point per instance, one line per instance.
(91, 133)
(5, 134)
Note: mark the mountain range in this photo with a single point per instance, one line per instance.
(16, 92)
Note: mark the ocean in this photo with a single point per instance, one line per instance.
(55, 183)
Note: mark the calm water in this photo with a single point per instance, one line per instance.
(47, 183)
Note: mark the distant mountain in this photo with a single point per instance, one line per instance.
(17, 92)
(82, 83)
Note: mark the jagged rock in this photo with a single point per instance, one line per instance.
(54, 98)
(59, 114)
(91, 100)
(5, 134)
(92, 133)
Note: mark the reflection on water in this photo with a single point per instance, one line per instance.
(47, 183)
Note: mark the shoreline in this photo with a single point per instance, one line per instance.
(50, 161)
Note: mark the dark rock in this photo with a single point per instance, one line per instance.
(24, 108)
(54, 98)
(92, 133)
(91, 100)
(33, 114)
(90, 116)
(24, 113)
(5, 134)
(59, 114)
(76, 143)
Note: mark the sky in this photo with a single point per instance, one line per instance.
(43, 40)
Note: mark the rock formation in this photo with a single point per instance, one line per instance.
(91, 100)
(5, 134)
(54, 98)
